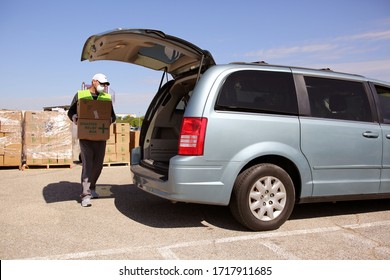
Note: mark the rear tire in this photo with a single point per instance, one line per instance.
(263, 197)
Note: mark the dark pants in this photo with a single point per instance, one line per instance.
(92, 157)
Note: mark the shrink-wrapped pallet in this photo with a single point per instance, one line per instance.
(47, 138)
(10, 137)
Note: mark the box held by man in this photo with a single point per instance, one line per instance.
(94, 119)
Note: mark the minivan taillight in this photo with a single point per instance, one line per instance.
(192, 136)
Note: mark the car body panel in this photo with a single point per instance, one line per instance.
(342, 159)
(384, 118)
(385, 175)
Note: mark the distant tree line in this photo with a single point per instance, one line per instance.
(134, 122)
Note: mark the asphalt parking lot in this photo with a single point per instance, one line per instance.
(41, 218)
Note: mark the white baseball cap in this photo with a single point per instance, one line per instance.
(101, 78)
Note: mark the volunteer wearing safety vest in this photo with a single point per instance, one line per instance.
(92, 152)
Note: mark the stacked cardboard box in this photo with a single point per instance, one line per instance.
(118, 144)
(122, 142)
(10, 138)
(134, 139)
(47, 138)
(110, 155)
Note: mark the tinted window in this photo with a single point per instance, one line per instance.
(258, 91)
(338, 99)
(384, 100)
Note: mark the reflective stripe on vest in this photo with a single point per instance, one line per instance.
(86, 94)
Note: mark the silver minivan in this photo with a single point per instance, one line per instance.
(257, 137)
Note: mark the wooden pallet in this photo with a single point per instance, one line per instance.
(116, 163)
(45, 166)
(5, 167)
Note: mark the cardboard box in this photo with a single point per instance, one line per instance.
(122, 138)
(111, 139)
(123, 157)
(110, 148)
(122, 148)
(110, 158)
(134, 139)
(32, 138)
(10, 121)
(33, 117)
(122, 128)
(64, 161)
(94, 109)
(38, 116)
(14, 148)
(11, 159)
(10, 127)
(49, 161)
(33, 161)
(96, 130)
(94, 119)
(11, 117)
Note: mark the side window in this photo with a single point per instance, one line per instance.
(384, 100)
(258, 92)
(338, 99)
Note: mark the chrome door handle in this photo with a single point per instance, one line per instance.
(370, 134)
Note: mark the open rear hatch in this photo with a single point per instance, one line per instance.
(155, 50)
(149, 48)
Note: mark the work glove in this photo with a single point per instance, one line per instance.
(74, 119)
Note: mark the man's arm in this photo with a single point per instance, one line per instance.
(73, 107)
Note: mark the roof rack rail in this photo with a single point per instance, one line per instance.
(255, 62)
(326, 69)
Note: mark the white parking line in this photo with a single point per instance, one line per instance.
(92, 254)
(360, 239)
(279, 251)
(167, 252)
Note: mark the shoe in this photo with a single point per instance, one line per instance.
(86, 201)
(94, 194)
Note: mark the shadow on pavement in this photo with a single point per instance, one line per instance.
(156, 212)
(61, 191)
(316, 210)
(148, 209)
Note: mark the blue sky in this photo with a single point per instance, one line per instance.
(41, 41)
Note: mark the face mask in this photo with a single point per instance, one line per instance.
(100, 88)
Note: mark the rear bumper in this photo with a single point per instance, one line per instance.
(186, 183)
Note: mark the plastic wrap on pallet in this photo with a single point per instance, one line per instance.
(47, 138)
(11, 121)
(10, 137)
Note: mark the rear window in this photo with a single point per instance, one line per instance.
(258, 92)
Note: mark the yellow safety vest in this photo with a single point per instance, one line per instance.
(86, 94)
